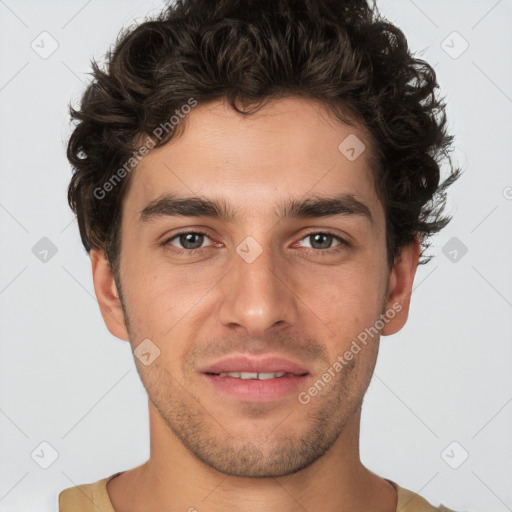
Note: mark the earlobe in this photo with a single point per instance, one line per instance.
(107, 294)
(400, 283)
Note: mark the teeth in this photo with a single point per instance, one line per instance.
(253, 375)
(270, 375)
(248, 375)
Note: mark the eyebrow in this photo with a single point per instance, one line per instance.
(171, 205)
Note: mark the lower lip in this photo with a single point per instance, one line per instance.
(255, 389)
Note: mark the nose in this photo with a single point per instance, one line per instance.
(258, 295)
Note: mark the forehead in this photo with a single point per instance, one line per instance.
(291, 148)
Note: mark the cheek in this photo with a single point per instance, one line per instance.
(159, 297)
(346, 297)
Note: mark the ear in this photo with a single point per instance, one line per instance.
(400, 283)
(107, 294)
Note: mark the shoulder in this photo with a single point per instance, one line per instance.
(86, 497)
(409, 501)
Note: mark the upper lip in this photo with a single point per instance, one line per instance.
(255, 364)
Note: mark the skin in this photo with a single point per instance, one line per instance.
(211, 451)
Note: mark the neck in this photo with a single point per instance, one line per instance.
(173, 476)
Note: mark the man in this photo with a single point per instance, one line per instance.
(256, 182)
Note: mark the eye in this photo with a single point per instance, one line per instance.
(189, 241)
(322, 242)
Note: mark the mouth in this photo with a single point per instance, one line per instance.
(255, 379)
(255, 375)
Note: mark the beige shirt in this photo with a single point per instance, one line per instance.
(94, 498)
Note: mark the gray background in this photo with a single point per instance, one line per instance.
(66, 381)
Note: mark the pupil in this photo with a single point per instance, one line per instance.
(327, 240)
(188, 238)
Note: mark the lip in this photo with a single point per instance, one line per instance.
(258, 364)
(255, 390)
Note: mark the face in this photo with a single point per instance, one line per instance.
(254, 297)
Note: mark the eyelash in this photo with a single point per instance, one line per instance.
(343, 245)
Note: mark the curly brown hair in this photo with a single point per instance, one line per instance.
(340, 52)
